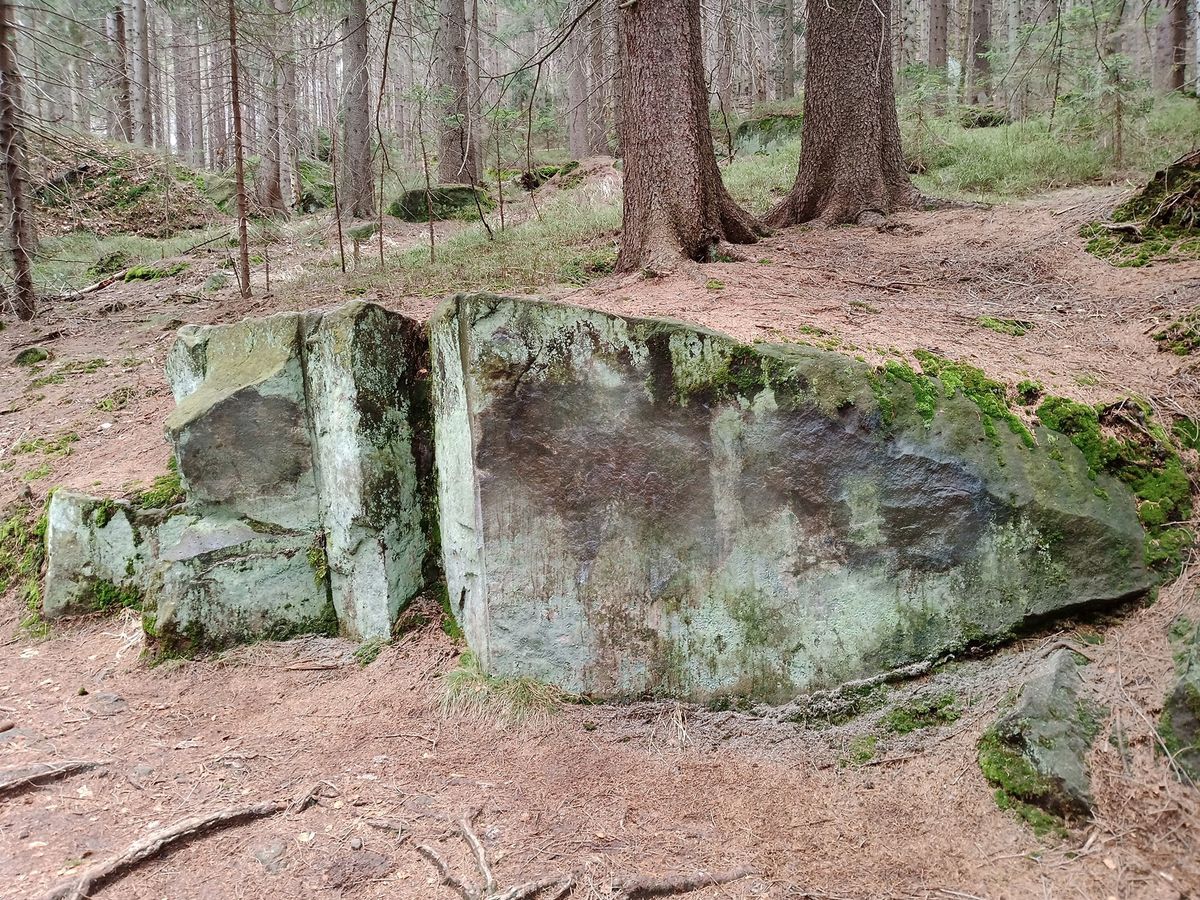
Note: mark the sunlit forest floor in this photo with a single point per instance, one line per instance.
(603, 791)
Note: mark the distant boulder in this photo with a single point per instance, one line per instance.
(444, 201)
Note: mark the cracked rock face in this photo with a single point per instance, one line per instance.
(303, 447)
(638, 506)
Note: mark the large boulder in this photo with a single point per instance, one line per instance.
(767, 132)
(633, 506)
(1036, 755)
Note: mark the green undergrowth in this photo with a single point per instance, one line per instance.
(22, 557)
(1125, 441)
(368, 651)
(512, 701)
(1019, 786)
(572, 243)
(760, 180)
(79, 258)
(1167, 244)
(1024, 158)
(1181, 336)
(107, 596)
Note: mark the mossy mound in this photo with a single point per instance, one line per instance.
(90, 184)
(445, 201)
(983, 117)
(1125, 441)
(1161, 223)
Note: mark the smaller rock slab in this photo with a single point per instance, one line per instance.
(1036, 755)
(1179, 726)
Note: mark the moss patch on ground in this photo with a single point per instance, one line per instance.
(923, 712)
(1182, 336)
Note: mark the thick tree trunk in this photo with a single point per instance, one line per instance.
(981, 42)
(937, 37)
(239, 168)
(12, 150)
(675, 204)
(357, 182)
(787, 50)
(114, 27)
(458, 150)
(139, 32)
(851, 163)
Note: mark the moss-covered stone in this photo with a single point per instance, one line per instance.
(636, 506)
(763, 133)
(1179, 725)
(1036, 755)
(443, 201)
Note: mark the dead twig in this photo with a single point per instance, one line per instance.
(448, 878)
(144, 848)
(19, 779)
(472, 839)
(310, 796)
(640, 888)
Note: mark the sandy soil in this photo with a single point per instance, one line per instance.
(600, 791)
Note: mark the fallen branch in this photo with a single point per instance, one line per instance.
(448, 878)
(641, 888)
(18, 779)
(472, 839)
(142, 849)
(529, 888)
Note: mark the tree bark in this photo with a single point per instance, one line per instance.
(980, 44)
(218, 108)
(289, 125)
(725, 51)
(1177, 31)
(114, 25)
(577, 95)
(936, 57)
(787, 51)
(675, 205)
(851, 163)
(185, 92)
(458, 151)
(12, 149)
(140, 59)
(357, 182)
(239, 167)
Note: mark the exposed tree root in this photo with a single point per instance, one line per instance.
(19, 779)
(640, 888)
(142, 849)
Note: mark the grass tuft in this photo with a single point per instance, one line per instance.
(473, 694)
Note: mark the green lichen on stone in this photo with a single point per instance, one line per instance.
(107, 596)
(1019, 786)
(443, 201)
(990, 396)
(1125, 441)
(165, 491)
(923, 712)
(104, 511)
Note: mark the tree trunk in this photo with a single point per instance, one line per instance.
(289, 125)
(597, 109)
(239, 167)
(196, 81)
(980, 44)
(1177, 31)
(140, 58)
(114, 28)
(12, 148)
(787, 51)
(357, 182)
(725, 47)
(268, 182)
(185, 92)
(937, 37)
(577, 95)
(675, 204)
(458, 152)
(851, 163)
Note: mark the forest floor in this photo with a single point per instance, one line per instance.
(847, 810)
